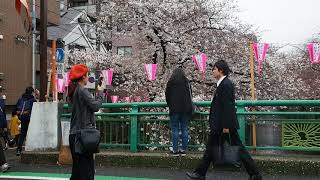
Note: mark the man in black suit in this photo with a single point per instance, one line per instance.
(223, 120)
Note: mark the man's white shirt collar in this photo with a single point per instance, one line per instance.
(220, 80)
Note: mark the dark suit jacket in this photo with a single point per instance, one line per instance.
(223, 111)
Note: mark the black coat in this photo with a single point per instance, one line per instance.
(84, 105)
(223, 110)
(178, 97)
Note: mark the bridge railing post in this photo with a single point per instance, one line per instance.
(134, 129)
(242, 122)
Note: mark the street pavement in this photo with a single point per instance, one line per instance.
(55, 172)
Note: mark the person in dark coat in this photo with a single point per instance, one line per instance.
(84, 105)
(3, 126)
(179, 100)
(24, 109)
(223, 120)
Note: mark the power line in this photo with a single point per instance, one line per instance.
(66, 30)
(59, 27)
(60, 14)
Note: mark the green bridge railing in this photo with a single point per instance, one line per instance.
(286, 125)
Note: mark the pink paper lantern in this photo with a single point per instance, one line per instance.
(66, 78)
(60, 85)
(126, 99)
(107, 76)
(151, 71)
(137, 98)
(314, 52)
(201, 62)
(114, 99)
(260, 51)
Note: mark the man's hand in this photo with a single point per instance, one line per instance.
(225, 130)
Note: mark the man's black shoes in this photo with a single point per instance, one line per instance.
(196, 176)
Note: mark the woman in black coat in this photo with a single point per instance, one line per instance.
(178, 97)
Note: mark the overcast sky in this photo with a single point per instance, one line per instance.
(283, 21)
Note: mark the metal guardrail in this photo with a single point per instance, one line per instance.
(145, 125)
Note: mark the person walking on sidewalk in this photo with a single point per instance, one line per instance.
(179, 100)
(3, 126)
(223, 120)
(24, 109)
(84, 105)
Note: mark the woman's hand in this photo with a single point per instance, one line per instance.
(100, 88)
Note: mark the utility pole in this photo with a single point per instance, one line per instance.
(253, 98)
(43, 48)
(98, 10)
(34, 24)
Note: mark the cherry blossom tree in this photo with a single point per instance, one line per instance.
(169, 33)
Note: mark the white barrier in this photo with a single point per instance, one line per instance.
(43, 128)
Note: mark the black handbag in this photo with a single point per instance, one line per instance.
(87, 139)
(226, 154)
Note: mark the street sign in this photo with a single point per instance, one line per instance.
(60, 68)
(59, 55)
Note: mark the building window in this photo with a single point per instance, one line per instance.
(76, 3)
(108, 45)
(125, 51)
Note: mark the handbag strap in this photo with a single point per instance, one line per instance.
(82, 125)
(23, 106)
(222, 135)
(76, 93)
(190, 91)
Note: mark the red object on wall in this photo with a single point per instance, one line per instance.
(23, 11)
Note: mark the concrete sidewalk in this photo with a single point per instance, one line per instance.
(299, 165)
(52, 170)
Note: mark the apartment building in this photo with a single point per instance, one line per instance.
(16, 47)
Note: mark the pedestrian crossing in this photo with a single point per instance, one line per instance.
(48, 176)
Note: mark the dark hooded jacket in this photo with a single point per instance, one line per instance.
(24, 106)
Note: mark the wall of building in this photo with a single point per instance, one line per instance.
(16, 55)
(125, 40)
(53, 10)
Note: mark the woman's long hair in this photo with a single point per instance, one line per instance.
(72, 88)
(178, 76)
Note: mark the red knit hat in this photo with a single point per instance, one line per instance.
(77, 71)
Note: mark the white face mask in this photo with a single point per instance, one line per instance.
(4, 97)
